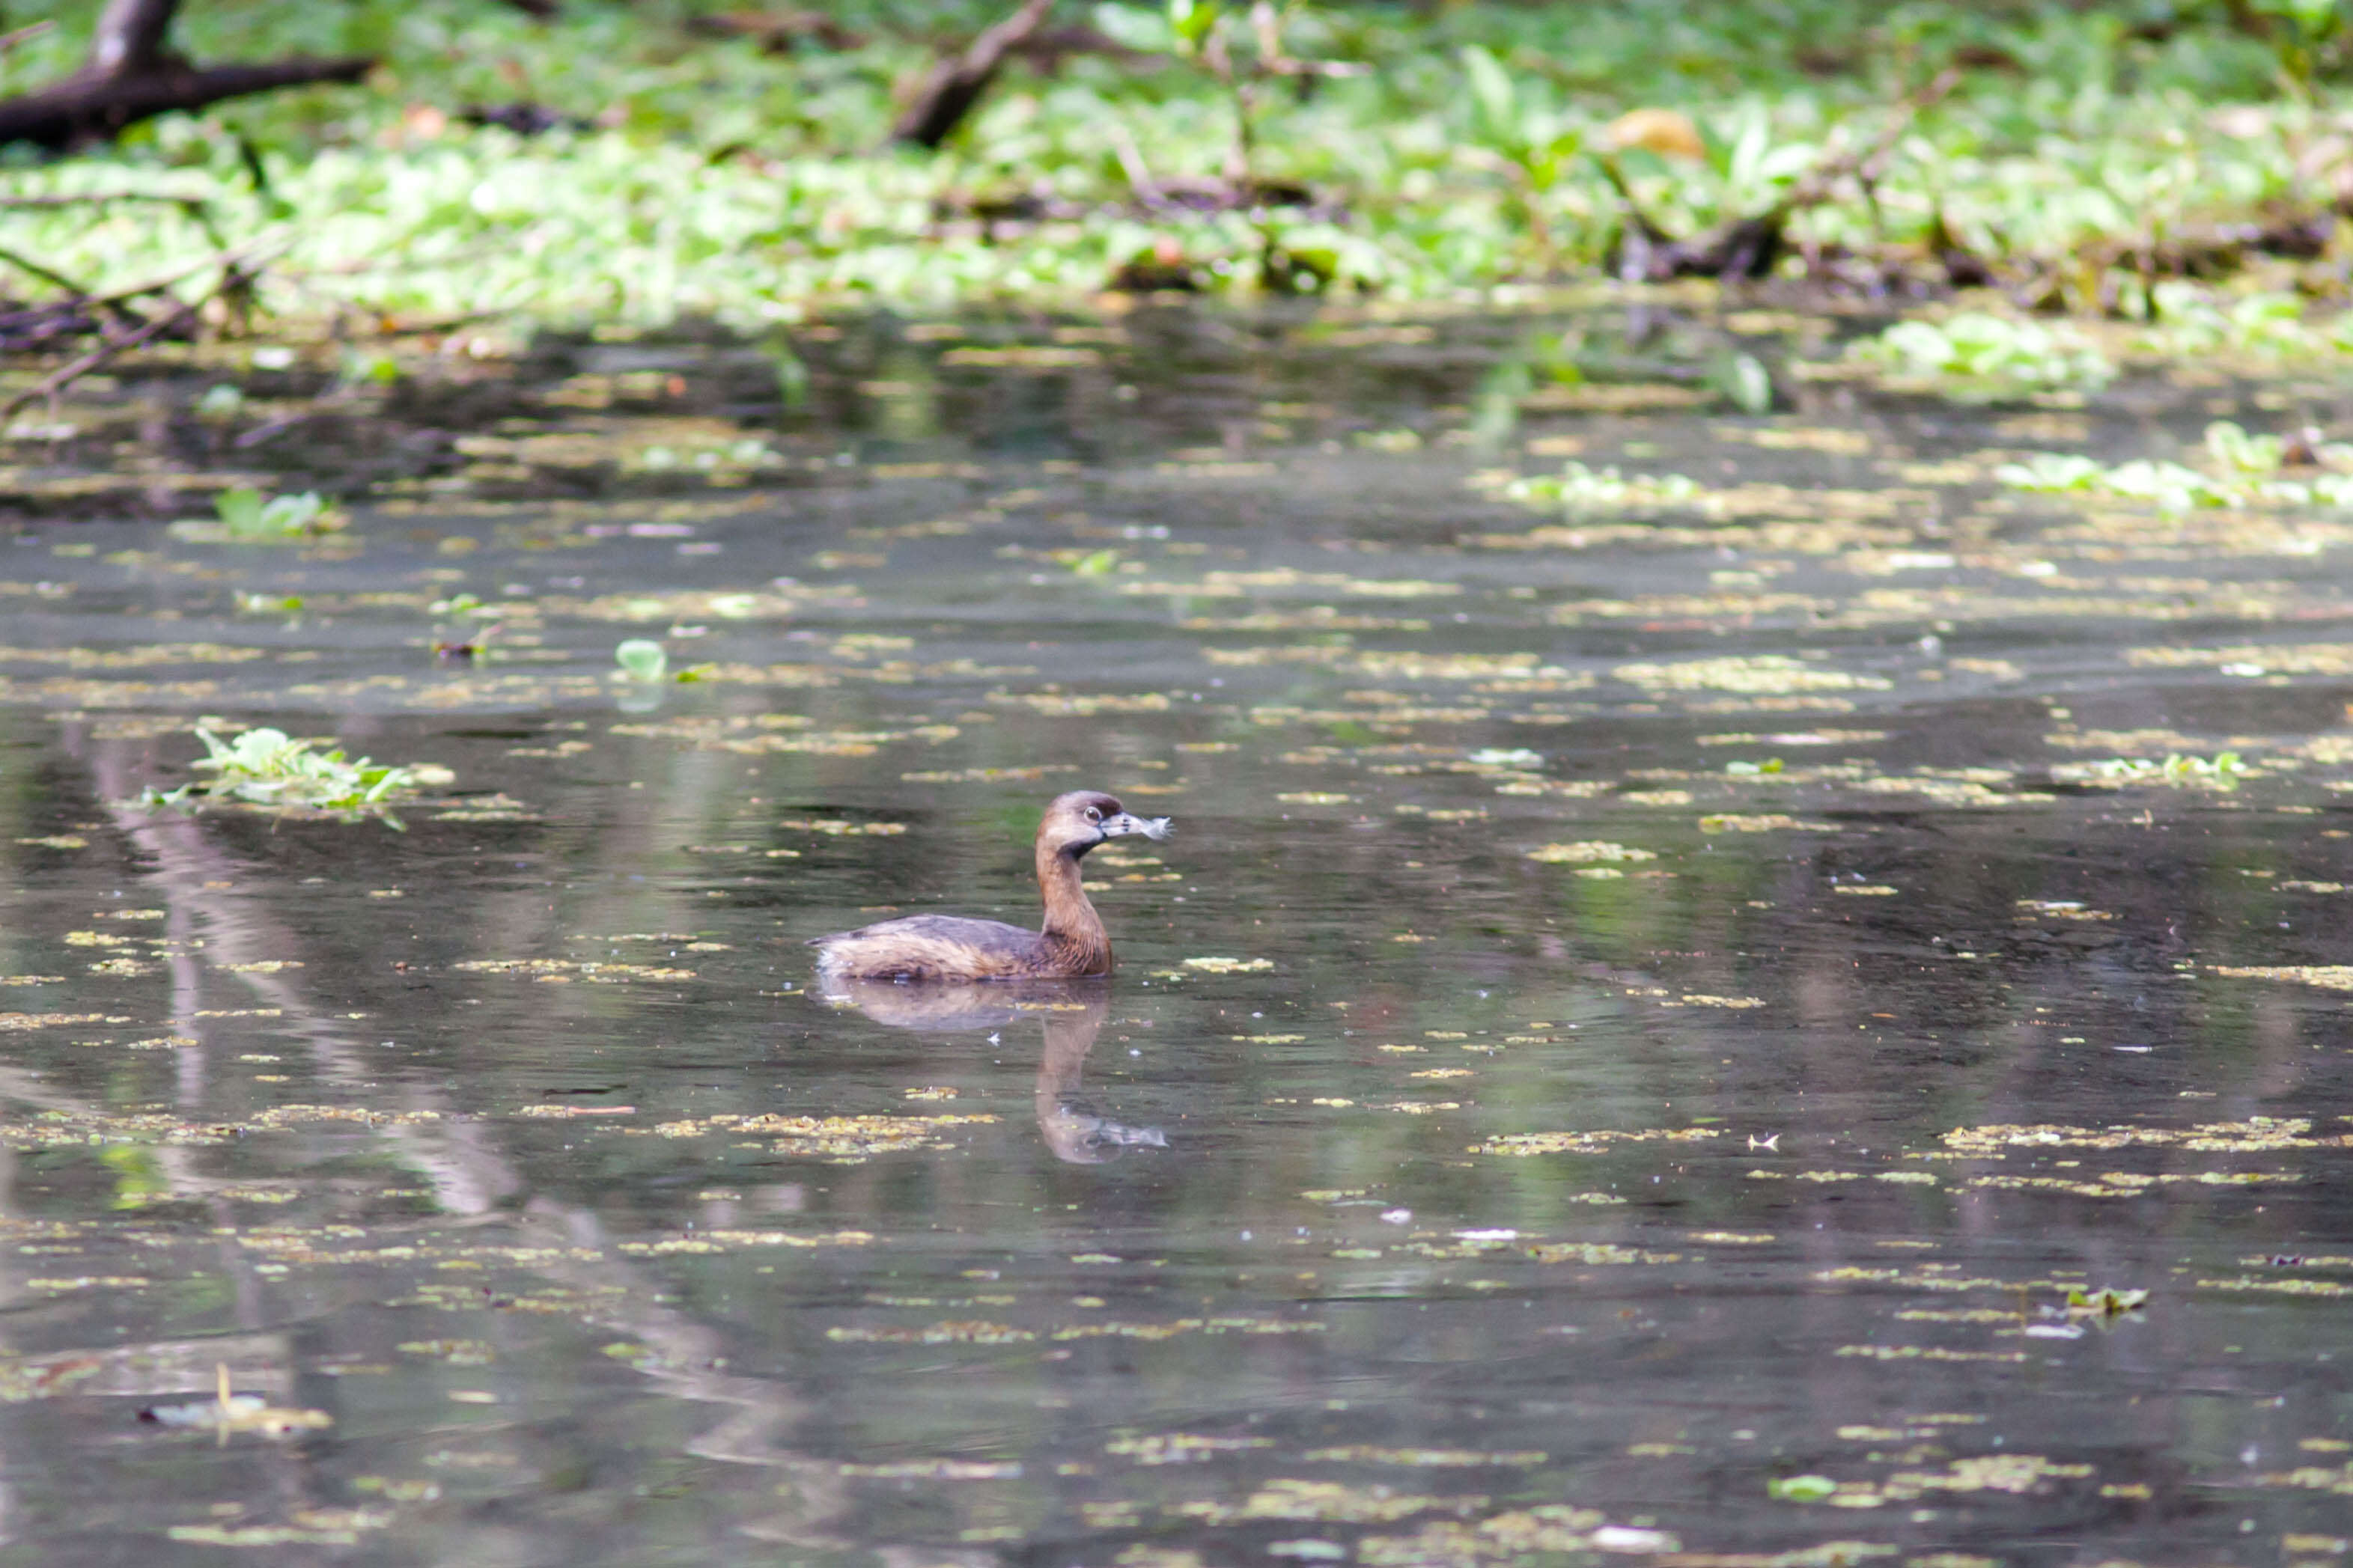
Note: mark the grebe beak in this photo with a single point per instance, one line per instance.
(1124, 824)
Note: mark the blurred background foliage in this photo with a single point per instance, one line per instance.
(664, 160)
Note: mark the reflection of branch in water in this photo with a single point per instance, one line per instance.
(468, 1172)
(1073, 1010)
(191, 874)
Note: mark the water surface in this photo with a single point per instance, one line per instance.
(1646, 1023)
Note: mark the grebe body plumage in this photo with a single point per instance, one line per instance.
(1070, 944)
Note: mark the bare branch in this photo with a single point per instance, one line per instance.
(65, 374)
(238, 272)
(957, 82)
(55, 279)
(86, 108)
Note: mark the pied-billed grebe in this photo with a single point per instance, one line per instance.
(1071, 943)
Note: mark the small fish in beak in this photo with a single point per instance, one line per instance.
(1152, 827)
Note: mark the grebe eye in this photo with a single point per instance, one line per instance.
(1093, 815)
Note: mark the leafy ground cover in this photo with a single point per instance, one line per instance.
(620, 164)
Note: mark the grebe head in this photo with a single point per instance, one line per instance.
(1077, 821)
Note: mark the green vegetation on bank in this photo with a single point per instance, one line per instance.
(2085, 152)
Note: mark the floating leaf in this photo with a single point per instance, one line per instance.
(1801, 1488)
(641, 659)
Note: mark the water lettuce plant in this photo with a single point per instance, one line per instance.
(272, 770)
(1580, 489)
(2169, 486)
(642, 658)
(1979, 355)
(2246, 469)
(244, 515)
(2190, 319)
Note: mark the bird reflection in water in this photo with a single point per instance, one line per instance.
(1072, 1012)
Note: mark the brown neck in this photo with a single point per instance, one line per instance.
(1071, 920)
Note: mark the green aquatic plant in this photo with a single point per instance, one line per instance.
(2171, 486)
(243, 515)
(2193, 318)
(1744, 382)
(719, 180)
(1979, 355)
(1801, 1488)
(2106, 1303)
(2235, 451)
(1536, 147)
(2248, 465)
(270, 769)
(2222, 771)
(248, 515)
(642, 658)
(743, 453)
(1577, 487)
(2302, 34)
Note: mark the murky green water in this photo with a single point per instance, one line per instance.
(1526, 1122)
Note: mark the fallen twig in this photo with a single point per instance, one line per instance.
(81, 310)
(64, 376)
(236, 276)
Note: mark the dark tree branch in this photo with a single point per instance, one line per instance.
(132, 74)
(957, 82)
(83, 108)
